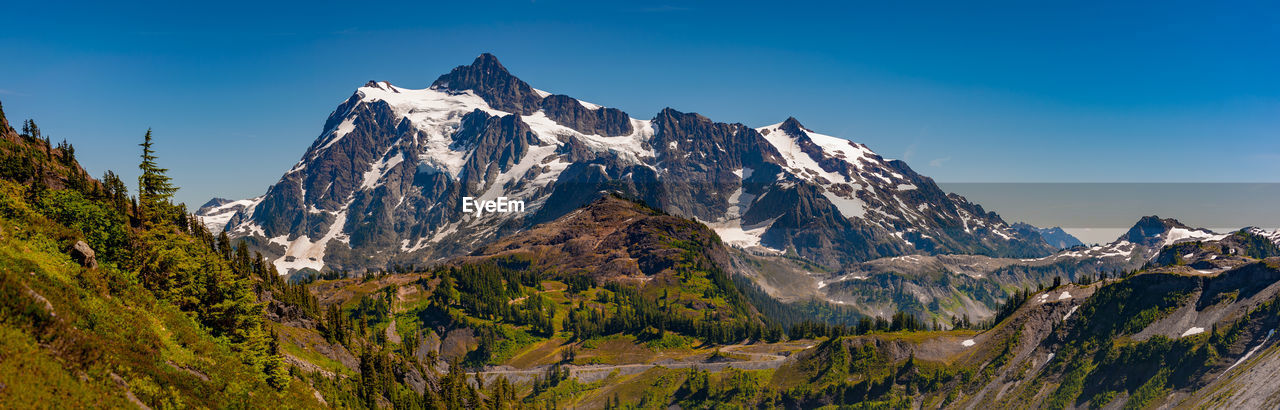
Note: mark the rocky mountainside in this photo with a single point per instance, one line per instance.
(30, 158)
(385, 181)
(5, 128)
(218, 212)
(609, 239)
(955, 285)
(1055, 236)
(1274, 236)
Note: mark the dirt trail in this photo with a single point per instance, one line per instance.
(595, 372)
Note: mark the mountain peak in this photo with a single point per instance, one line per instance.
(217, 201)
(492, 82)
(792, 126)
(1152, 230)
(487, 59)
(1149, 227)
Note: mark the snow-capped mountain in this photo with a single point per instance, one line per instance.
(1143, 241)
(385, 181)
(1133, 249)
(876, 286)
(218, 212)
(1274, 236)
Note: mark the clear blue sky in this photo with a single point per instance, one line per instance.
(1018, 91)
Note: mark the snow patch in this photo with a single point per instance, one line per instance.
(1193, 331)
(380, 169)
(306, 253)
(1176, 235)
(1253, 350)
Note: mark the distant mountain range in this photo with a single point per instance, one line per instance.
(959, 284)
(384, 182)
(1055, 236)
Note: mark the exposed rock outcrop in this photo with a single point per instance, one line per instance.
(83, 254)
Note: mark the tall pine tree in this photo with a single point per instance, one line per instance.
(155, 190)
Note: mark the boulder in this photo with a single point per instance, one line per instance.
(83, 254)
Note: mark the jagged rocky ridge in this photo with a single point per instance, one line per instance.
(953, 284)
(384, 182)
(218, 212)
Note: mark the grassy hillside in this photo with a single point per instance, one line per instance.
(102, 330)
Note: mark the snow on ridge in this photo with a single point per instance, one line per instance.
(438, 114)
(216, 218)
(1274, 236)
(435, 113)
(589, 106)
(1124, 248)
(631, 146)
(231, 206)
(1118, 248)
(805, 166)
(434, 116)
(1176, 235)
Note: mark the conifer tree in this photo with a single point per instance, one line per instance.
(30, 130)
(155, 189)
(224, 245)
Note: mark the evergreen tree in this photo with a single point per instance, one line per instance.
(155, 189)
(30, 130)
(224, 245)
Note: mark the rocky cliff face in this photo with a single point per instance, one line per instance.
(489, 80)
(5, 128)
(385, 181)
